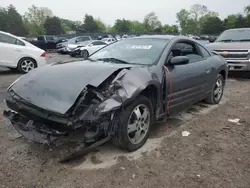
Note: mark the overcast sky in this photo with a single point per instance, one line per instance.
(110, 10)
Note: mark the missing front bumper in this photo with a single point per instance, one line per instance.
(32, 130)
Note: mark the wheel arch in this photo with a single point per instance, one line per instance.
(152, 91)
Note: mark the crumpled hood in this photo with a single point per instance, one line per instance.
(229, 46)
(56, 87)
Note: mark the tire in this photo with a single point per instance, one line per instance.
(122, 138)
(84, 54)
(213, 98)
(73, 55)
(12, 69)
(26, 64)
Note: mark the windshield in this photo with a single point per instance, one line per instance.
(84, 43)
(133, 51)
(234, 35)
(50, 38)
(72, 40)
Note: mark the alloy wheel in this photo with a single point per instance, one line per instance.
(218, 89)
(138, 124)
(27, 65)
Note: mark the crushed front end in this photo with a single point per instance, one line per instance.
(47, 127)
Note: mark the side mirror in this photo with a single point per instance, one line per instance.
(179, 60)
(91, 45)
(211, 40)
(77, 41)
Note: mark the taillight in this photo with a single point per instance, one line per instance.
(43, 54)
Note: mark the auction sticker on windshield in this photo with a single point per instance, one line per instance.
(145, 47)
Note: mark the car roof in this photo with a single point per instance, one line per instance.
(238, 29)
(161, 37)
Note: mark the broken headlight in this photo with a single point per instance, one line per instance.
(110, 91)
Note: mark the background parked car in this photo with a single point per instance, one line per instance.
(87, 48)
(45, 42)
(65, 47)
(109, 40)
(18, 53)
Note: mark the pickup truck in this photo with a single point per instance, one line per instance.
(45, 42)
(234, 46)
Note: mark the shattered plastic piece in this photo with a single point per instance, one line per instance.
(133, 176)
(198, 175)
(123, 168)
(237, 120)
(185, 133)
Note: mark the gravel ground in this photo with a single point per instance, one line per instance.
(215, 154)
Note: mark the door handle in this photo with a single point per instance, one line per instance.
(208, 71)
(18, 50)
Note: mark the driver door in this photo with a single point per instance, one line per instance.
(188, 80)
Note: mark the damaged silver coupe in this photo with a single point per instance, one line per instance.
(116, 94)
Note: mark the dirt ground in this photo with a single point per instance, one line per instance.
(215, 154)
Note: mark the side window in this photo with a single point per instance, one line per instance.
(7, 39)
(20, 43)
(203, 51)
(186, 49)
(79, 39)
(97, 43)
(82, 39)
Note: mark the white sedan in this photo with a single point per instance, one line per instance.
(109, 40)
(87, 48)
(16, 53)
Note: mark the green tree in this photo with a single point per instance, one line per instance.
(100, 25)
(15, 22)
(53, 26)
(110, 29)
(11, 21)
(247, 9)
(192, 20)
(171, 29)
(240, 21)
(122, 25)
(212, 26)
(35, 19)
(230, 21)
(67, 25)
(3, 19)
(187, 23)
(89, 24)
(151, 22)
(197, 11)
(137, 26)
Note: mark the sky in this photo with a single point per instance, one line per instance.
(110, 10)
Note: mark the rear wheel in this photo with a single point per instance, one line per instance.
(26, 64)
(134, 124)
(217, 92)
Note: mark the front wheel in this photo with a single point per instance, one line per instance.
(134, 124)
(217, 92)
(84, 54)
